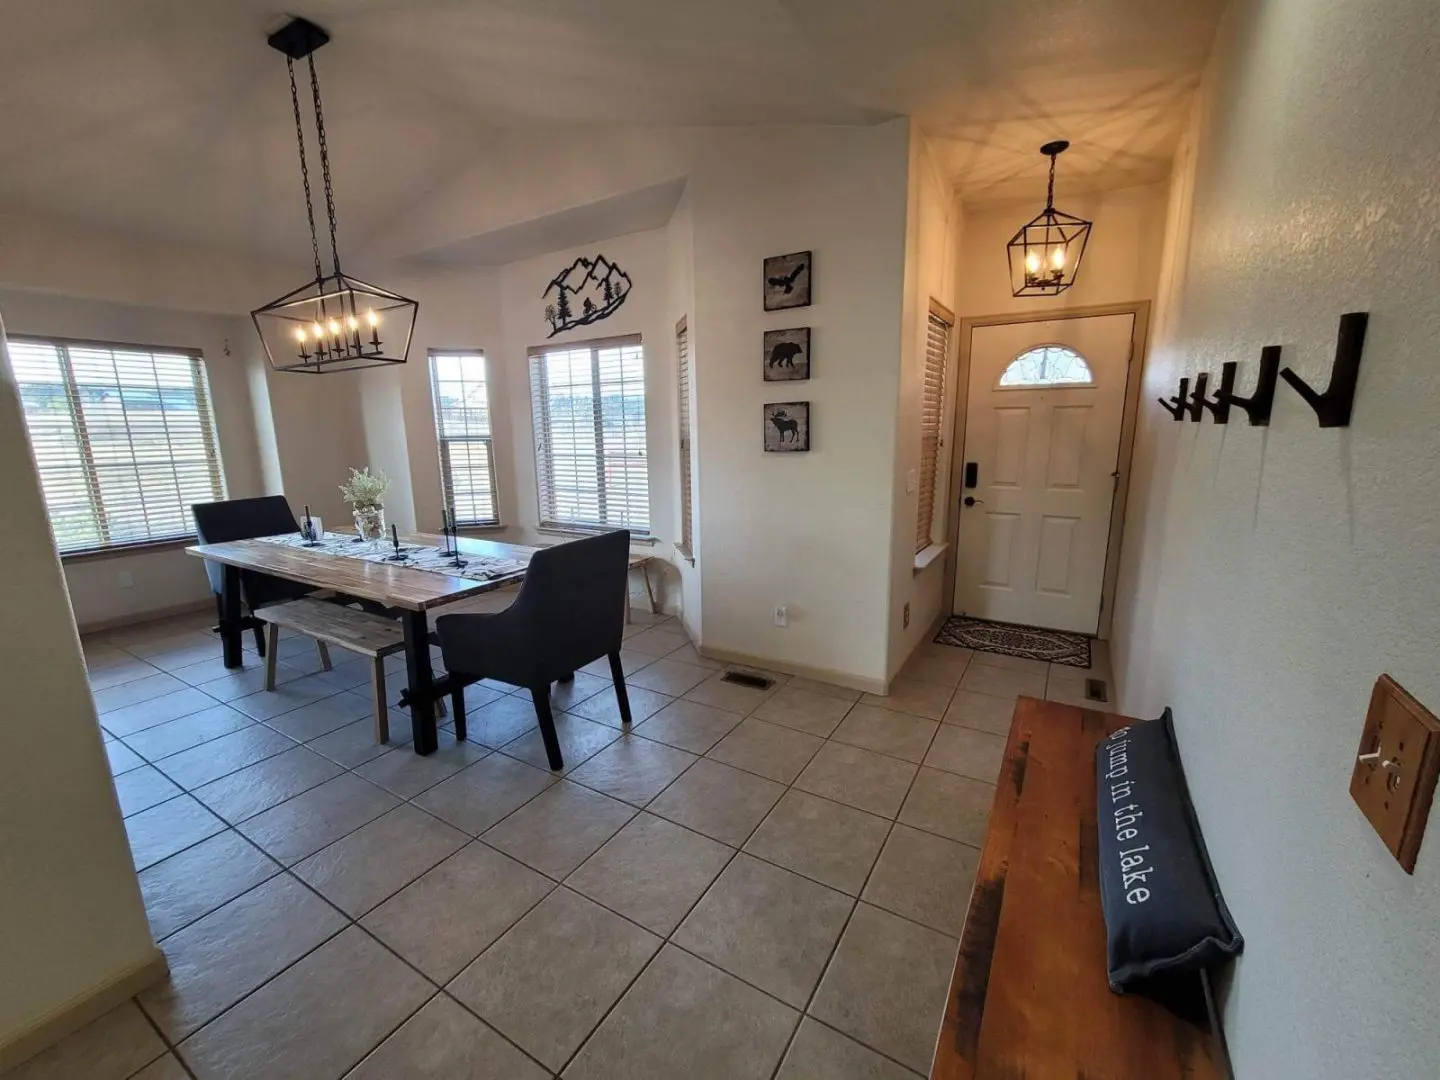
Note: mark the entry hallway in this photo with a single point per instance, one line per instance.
(753, 883)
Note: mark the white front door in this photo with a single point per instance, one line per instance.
(1042, 439)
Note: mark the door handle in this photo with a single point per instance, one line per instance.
(970, 500)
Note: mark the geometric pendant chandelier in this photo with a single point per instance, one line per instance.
(335, 322)
(1045, 254)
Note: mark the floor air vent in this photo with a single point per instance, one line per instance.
(744, 678)
(1095, 690)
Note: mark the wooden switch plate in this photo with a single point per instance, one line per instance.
(1399, 759)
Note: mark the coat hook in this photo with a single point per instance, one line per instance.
(1257, 406)
(1197, 399)
(1334, 405)
(1219, 406)
(1176, 406)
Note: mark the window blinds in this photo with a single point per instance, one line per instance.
(687, 483)
(588, 403)
(462, 429)
(932, 411)
(124, 438)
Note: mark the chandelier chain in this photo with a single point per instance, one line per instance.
(324, 164)
(304, 169)
(1049, 192)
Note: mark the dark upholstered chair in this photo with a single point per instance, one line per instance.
(245, 519)
(570, 612)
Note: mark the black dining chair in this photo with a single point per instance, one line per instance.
(570, 612)
(245, 519)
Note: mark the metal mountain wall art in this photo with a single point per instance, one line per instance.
(585, 292)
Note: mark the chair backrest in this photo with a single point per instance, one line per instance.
(243, 519)
(574, 594)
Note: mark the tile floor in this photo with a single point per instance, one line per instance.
(751, 883)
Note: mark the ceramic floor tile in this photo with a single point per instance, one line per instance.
(303, 825)
(669, 677)
(133, 693)
(125, 668)
(1012, 663)
(176, 736)
(256, 788)
(686, 1018)
(172, 826)
(821, 1053)
(981, 712)
(323, 716)
(317, 1019)
(886, 732)
(857, 777)
(633, 769)
(950, 805)
(559, 829)
(452, 913)
(688, 654)
(444, 1042)
(652, 871)
(377, 860)
(565, 696)
(630, 662)
(553, 976)
(200, 879)
(603, 708)
(165, 1068)
(722, 802)
(146, 714)
(815, 686)
(227, 754)
(886, 985)
(502, 721)
(242, 682)
(112, 1047)
(805, 710)
(477, 797)
(772, 928)
(940, 669)
(217, 960)
(971, 753)
(143, 788)
(689, 726)
(732, 697)
(201, 651)
(1003, 682)
(268, 704)
(659, 641)
(925, 878)
(926, 699)
(768, 750)
(405, 773)
(122, 759)
(354, 744)
(1070, 690)
(580, 740)
(821, 839)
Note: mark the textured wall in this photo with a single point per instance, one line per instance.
(1272, 574)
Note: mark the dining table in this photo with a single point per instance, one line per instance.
(409, 592)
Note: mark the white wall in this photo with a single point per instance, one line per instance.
(680, 241)
(1272, 574)
(71, 918)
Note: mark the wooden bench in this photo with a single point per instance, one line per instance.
(1029, 997)
(345, 628)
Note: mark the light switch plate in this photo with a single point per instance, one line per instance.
(1399, 759)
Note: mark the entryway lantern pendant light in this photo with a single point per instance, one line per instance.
(1045, 254)
(335, 322)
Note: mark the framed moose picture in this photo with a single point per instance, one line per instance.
(787, 354)
(787, 427)
(787, 281)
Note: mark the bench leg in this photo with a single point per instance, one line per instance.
(617, 675)
(272, 654)
(382, 707)
(649, 592)
(457, 703)
(439, 706)
(541, 697)
(324, 651)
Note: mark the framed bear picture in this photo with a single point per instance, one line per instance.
(787, 427)
(787, 355)
(787, 281)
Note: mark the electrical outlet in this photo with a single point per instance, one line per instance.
(782, 615)
(905, 618)
(127, 579)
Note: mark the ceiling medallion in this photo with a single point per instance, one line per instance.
(1045, 254)
(335, 322)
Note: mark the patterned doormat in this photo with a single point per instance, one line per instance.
(1056, 646)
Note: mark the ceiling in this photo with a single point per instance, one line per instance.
(172, 119)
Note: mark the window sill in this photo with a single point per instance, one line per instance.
(931, 554)
(575, 534)
(119, 551)
(493, 526)
(685, 553)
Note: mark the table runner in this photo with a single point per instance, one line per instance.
(476, 568)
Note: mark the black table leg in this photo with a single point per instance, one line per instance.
(232, 625)
(421, 680)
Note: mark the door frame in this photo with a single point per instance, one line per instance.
(1130, 413)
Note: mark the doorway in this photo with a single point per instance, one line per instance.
(1048, 418)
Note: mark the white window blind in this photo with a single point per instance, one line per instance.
(588, 402)
(932, 412)
(124, 437)
(462, 428)
(687, 482)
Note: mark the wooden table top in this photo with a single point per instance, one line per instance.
(1029, 997)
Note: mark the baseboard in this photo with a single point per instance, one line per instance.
(819, 674)
(101, 625)
(79, 1011)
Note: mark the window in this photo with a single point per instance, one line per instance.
(1048, 365)
(687, 482)
(462, 428)
(932, 412)
(124, 438)
(588, 401)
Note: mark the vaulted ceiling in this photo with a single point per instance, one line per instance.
(172, 118)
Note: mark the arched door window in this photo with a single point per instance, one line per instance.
(1047, 365)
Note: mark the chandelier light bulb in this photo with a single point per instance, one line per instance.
(372, 318)
(1032, 262)
(350, 322)
(300, 334)
(318, 332)
(334, 328)
(1057, 258)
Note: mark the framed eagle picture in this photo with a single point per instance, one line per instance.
(787, 354)
(787, 281)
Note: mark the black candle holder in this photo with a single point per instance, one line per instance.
(401, 555)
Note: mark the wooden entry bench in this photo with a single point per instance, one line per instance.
(373, 636)
(1029, 997)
